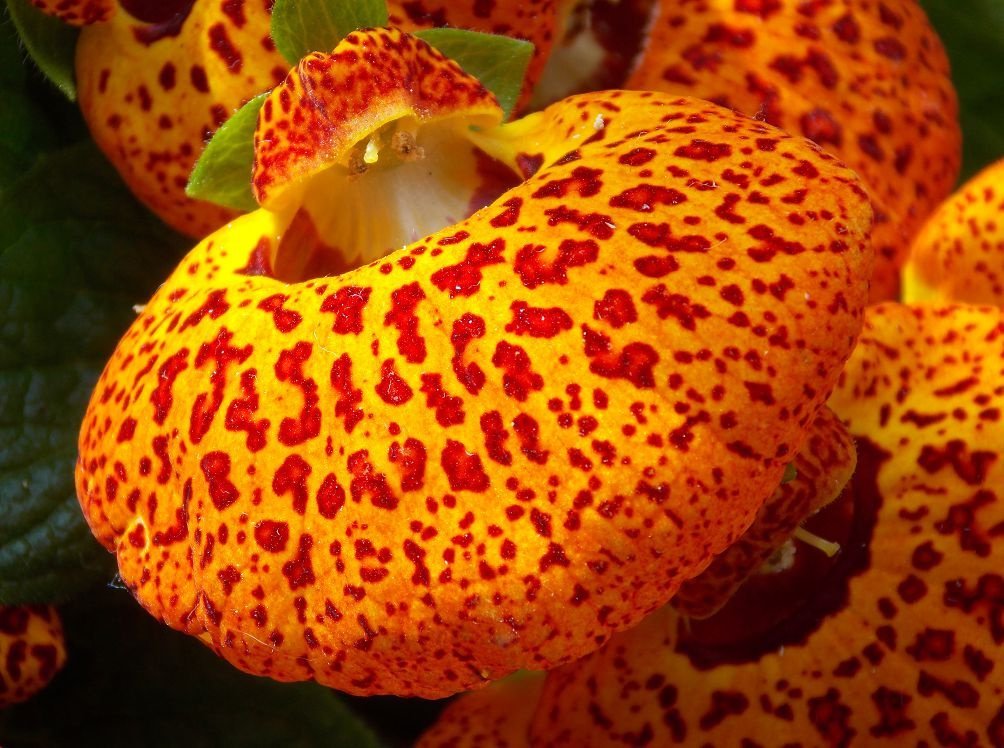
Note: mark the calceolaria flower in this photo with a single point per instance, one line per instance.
(31, 650)
(571, 374)
(959, 254)
(896, 638)
(156, 79)
(868, 81)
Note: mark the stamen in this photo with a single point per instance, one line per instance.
(828, 547)
(372, 153)
(406, 146)
(780, 560)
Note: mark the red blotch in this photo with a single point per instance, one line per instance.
(289, 368)
(682, 308)
(469, 327)
(392, 388)
(163, 397)
(537, 322)
(216, 468)
(616, 308)
(464, 278)
(330, 497)
(495, 437)
(240, 413)
(367, 482)
(463, 469)
(633, 363)
(703, 150)
(349, 396)
(585, 181)
(291, 477)
(347, 305)
(534, 268)
(285, 320)
(402, 316)
(411, 458)
(528, 431)
(298, 570)
(518, 379)
(223, 354)
(449, 409)
(214, 306)
(644, 197)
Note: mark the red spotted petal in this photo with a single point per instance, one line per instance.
(868, 81)
(77, 12)
(497, 716)
(899, 637)
(32, 650)
(155, 82)
(959, 254)
(452, 463)
(824, 465)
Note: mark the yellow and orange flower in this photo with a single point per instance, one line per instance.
(32, 650)
(467, 465)
(959, 254)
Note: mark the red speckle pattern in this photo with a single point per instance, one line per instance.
(869, 81)
(896, 638)
(32, 650)
(543, 475)
(959, 254)
(155, 81)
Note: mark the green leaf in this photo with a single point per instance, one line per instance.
(50, 42)
(76, 253)
(132, 681)
(223, 172)
(499, 62)
(300, 27)
(973, 33)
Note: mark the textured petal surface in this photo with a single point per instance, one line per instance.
(498, 716)
(32, 650)
(959, 254)
(78, 12)
(824, 465)
(455, 463)
(899, 639)
(155, 85)
(868, 81)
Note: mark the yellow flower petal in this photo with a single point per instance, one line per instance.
(959, 254)
(898, 638)
(32, 650)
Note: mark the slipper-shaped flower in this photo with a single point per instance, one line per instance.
(898, 637)
(822, 469)
(32, 650)
(959, 254)
(868, 81)
(156, 79)
(505, 441)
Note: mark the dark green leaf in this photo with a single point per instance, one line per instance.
(76, 253)
(223, 172)
(499, 62)
(300, 27)
(130, 681)
(50, 42)
(24, 130)
(973, 33)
